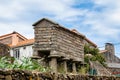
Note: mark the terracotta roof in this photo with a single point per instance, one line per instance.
(74, 30)
(22, 43)
(14, 32)
(57, 25)
(103, 51)
(90, 42)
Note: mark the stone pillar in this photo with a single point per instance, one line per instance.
(74, 67)
(35, 53)
(65, 66)
(53, 64)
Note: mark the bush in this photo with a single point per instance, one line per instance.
(92, 54)
(23, 64)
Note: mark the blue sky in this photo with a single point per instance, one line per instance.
(99, 20)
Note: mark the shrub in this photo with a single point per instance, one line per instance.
(23, 64)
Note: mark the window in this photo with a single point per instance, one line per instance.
(24, 47)
(16, 53)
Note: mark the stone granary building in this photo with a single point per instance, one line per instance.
(59, 46)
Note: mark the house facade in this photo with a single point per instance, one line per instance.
(19, 45)
(22, 49)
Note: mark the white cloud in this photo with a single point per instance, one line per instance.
(11, 9)
(99, 25)
(22, 28)
(60, 9)
(107, 21)
(12, 13)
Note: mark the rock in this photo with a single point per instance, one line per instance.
(8, 77)
(2, 76)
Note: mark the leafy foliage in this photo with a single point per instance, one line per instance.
(95, 55)
(92, 54)
(23, 64)
(92, 51)
(83, 70)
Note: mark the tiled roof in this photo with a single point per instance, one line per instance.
(113, 65)
(22, 43)
(14, 32)
(75, 31)
(103, 51)
(89, 41)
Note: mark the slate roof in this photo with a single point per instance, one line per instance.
(113, 65)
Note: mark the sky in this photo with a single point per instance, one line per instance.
(98, 20)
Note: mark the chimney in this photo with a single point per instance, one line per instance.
(110, 52)
(110, 48)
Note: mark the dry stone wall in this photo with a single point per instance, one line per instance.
(27, 75)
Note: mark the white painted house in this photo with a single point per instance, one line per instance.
(22, 49)
(20, 45)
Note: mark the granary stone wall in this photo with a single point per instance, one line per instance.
(70, 45)
(43, 36)
(49, 36)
